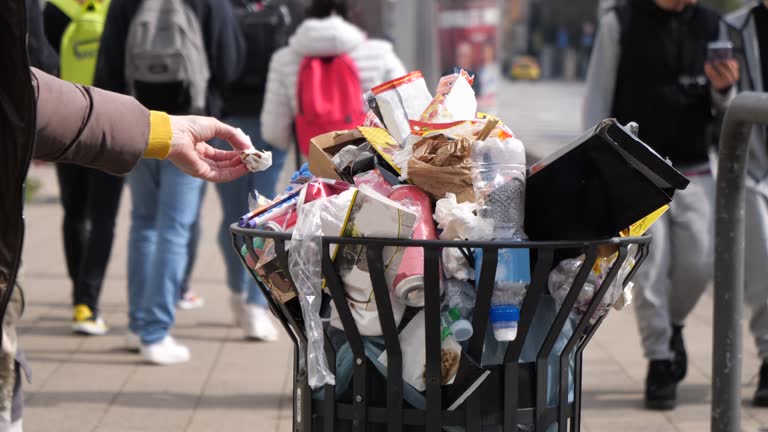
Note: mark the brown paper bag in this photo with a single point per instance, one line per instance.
(440, 164)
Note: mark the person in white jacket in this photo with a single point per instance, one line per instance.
(325, 33)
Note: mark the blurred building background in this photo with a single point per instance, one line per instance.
(526, 39)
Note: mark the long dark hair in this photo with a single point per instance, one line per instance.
(324, 8)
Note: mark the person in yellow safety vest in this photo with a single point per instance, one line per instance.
(76, 27)
(90, 198)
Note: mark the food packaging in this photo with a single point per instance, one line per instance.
(370, 215)
(457, 102)
(440, 165)
(414, 349)
(597, 186)
(323, 148)
(400, 100)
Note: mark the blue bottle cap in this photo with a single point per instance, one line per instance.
(503, 313)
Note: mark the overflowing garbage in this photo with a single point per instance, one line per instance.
(430, 167)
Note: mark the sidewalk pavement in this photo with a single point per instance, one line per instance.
(93, 384)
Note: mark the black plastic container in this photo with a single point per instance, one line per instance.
(514, 393)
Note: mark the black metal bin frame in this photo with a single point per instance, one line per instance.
(515, 393)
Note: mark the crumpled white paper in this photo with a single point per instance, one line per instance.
(255, 160)
(459, 222)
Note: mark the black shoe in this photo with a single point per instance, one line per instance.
(680, 359)
(761, 395)
(661, 385)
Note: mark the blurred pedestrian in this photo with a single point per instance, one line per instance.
(266, 27)
(650, 66)
(90, 198)
(562, 45)
(208, 48)
(748, 28)
(325, 33)
(41, 54)
(585, 49)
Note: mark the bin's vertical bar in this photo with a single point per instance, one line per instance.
(578, 333)
(485, 286)
(329, 404)
(302, 394)
(483, 301)
(284, 317)
(359, 377)
(282, 256)
(577, 380)
(432, 336)
(542, 359)
(375, 256)
(639, 258)
(541, 271)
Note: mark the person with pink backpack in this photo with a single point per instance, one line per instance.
(316, 83)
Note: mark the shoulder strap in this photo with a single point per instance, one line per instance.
(71, 8)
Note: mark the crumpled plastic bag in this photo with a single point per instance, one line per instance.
(440, 165)
(323, 216)
(562, 277)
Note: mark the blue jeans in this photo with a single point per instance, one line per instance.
(166, 204)
(234, 204)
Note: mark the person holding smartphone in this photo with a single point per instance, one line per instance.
(650, 65)
(748, 30)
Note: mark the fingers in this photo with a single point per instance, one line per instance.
(224, 175)
(235, 137)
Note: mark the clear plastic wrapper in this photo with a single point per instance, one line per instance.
(375, 181)
(562, 277)
(322, 216)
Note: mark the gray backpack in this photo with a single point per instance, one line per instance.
(165, 59)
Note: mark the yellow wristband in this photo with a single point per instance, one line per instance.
(160, 134)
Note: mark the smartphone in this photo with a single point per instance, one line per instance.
(719, 51)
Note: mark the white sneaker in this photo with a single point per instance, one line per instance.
(165, 352)
(190, 301)
(132, 342)
(257, 325)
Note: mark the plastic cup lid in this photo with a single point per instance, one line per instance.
(462, 330)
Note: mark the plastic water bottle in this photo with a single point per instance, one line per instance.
(498, 177)
(456, 311)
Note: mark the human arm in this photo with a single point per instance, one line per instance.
(601, 75)
(111, 132)
(723, 77)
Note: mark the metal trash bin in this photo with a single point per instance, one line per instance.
(516, 392)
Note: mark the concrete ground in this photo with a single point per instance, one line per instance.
(93, 384)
